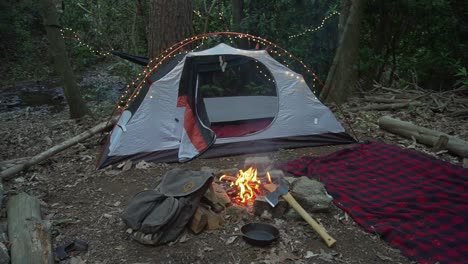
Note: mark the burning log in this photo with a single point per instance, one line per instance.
(246, 185)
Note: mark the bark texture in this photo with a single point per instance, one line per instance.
(170, 21)
(62, 66)
(343, 75)
(30, 236)
(237, 17)
(425, 136)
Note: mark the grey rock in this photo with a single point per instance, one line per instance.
(311, 195)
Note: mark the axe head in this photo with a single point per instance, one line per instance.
(273, 197)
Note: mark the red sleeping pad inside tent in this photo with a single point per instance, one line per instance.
(238, 129)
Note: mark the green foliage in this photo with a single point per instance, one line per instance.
(401, 40)
(210, 90)
(276, 21)
(125, 69)
(462, 75)
(21, 41)
(416, 39)
(104, 25)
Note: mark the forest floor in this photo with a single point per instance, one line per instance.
(69, 186)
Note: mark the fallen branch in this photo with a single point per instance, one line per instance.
(5, 164)
(30, 236)
(424, 135)
(12, 171)
(385, 106)
(459, 113)
(461, 100)
(384, 100)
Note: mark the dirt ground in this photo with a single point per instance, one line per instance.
(91, 201)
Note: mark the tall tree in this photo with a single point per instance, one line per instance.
(342, 77)
(237, 17)
(170, 21)
(62, 66)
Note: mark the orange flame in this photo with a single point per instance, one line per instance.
(246, 183)
(269, 177)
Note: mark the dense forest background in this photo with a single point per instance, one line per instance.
(410, 42)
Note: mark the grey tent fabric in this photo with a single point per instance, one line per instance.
(159, 216)
(169, 120)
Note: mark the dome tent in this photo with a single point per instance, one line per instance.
(174, 118)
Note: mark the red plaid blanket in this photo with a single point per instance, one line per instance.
(415, 202)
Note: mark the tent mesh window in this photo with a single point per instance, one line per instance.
(241, 83)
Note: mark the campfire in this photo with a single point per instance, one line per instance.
(246, 185)
(243, 190)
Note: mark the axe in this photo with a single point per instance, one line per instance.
(282, 190)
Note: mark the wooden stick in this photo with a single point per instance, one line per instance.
(385, 106)
(384, 100)
(29, 235)
(12, 171)
(330, 241)
(5, 164)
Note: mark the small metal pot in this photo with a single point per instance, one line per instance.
(259, 234)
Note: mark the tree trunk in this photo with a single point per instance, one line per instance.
(424, 135)
(58, 50)
(30, 236)
(237, 16)
(208, 16)
(169, 22)
(342, 77)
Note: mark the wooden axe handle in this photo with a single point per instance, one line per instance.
(330, 241)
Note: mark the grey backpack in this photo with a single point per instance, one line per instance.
(159, 216)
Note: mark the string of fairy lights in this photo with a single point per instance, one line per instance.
(68, 31)
(133, 89)
(314, 29)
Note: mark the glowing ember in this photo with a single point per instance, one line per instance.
(246, 183)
